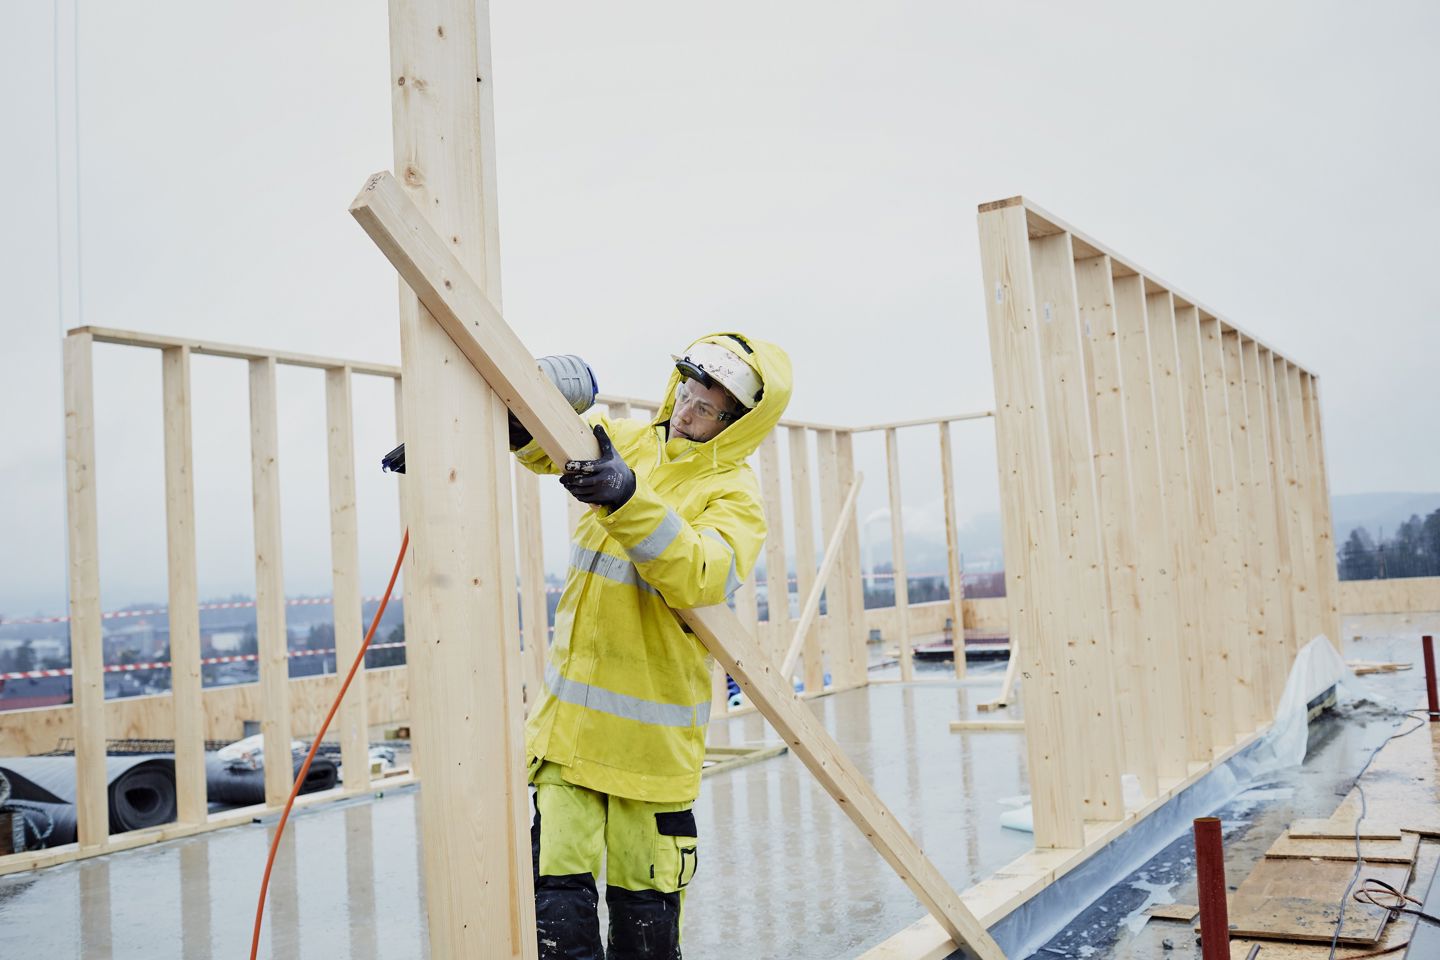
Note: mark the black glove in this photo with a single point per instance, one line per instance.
(519, 436)
(606, 482)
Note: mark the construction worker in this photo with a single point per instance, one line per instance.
(618, 739)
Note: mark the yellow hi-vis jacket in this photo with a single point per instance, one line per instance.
(627, 686)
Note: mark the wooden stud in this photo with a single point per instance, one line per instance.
(1327, 572)
(87, 658)
(460, 575)
(1027, 499)
(1080, 562)
(834, 628)
(854, 669)
(1256, 664)
(1272, 547)
(1238, 644)
(1214, 662)
(271, 635)
(716, 626)
(952, 548)
(1301, 473)
(402, 492)
(1282, 617)
(1135, 687)
(777, 585)
(1180, 515)
(897, 555)
(345, 569)
(534, 608)
(1155, 550)
(184, 602)
(804, 519)
(1288, 507)
(833, 548)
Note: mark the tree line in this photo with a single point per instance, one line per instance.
(1413, 550)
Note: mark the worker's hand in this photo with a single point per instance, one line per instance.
(606, 482)
(519, 436)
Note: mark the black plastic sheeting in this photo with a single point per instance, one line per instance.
(243, 786)
(141, 791)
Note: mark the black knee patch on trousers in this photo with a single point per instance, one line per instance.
(567, 919)
(644, 924)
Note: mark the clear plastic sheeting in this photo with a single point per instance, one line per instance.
(1317, 669)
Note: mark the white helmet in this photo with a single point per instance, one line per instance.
(713, 364)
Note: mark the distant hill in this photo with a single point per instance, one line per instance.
(1376, 510)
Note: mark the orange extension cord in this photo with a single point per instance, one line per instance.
(305, 767)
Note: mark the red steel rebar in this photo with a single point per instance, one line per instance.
(1210, 881)
(1427, 643)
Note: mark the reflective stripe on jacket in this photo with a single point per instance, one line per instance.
(627, 686)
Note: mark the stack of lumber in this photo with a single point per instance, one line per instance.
(1361, 667)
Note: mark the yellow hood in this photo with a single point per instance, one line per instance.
(742, 438)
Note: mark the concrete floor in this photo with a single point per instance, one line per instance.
(783, 874)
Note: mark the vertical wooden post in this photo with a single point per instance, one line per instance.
(1081, 564)
(897, 555)
(184, 602)
(856, 667)
(271, 635)
(1214, 662)
(801, 498)
(1105, 387)
(777, 586)
(345, 570)
(1325, 556)
(1251, 534)
(1027, 505)
(835, 628)
(1291, 512)
(952, 548)
(1304, 506)
(460, 577)
(1270, 618)
(87, 651)
(534, 608)
(402, 494)
(1284, 639)
(1180, 514)
(1237, 642)
(1155, 548)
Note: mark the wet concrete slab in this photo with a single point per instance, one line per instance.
(783, 873)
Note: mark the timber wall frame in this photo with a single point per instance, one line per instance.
(806, 455)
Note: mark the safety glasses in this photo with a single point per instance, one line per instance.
(698, 407)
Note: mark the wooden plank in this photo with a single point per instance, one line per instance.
(1375, 851)
(1184, 912)
(1027, 505)
(460, 576)
(777, 585)
(1297, 471)
(1180, 514)
(1080, 570)
(1327, 570)
(1262, 475)
(402, 492)
(1237, 642)
(897, 554)
(924, 421)
(345, 570)
(804, 519)
(952, 548)
(273, 641)
(957, 726)
(1135, 688)
(1155, 551)
(834, 628)
(87, 658)
(854, 669)
(534, 610)
(1286, 518)
(726, 638)
(208, 348)
(1251, 534)
(183, 613)
(1342, 830)
(1313, 921)
(833, 548)
(1214, 662)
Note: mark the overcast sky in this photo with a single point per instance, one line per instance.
(805, 171)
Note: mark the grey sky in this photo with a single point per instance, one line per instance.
(805, 171)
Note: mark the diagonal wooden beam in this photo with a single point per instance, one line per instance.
(462, 309)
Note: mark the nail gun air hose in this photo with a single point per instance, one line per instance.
(305, 767)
